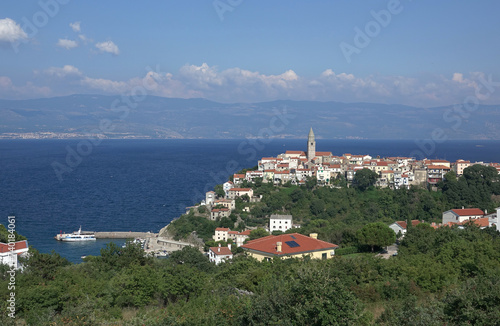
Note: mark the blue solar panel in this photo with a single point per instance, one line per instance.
(292, 244)
(293, 237)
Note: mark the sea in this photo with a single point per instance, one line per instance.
(54, 186)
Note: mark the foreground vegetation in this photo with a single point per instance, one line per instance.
(443, 276)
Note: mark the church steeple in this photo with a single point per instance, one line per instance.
(311, 145)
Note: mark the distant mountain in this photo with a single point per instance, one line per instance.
(159, 117)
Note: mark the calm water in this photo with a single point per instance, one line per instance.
(141, 185)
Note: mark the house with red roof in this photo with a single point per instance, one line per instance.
(238, 192)
(220, 254)
(293, 245)
(9, 252)
(402, 226)
(224, 234)
(461, 215)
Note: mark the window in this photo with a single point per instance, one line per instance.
(323, 256)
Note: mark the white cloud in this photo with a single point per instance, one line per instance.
(10, 31)
(67, 44)
(75, 27)
(109, 47)
(240, 85)
(65, 71)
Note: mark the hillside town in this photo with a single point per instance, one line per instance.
(393, 172)
(326, 170)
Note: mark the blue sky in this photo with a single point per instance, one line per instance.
(421, 53)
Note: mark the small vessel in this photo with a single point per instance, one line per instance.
(78, 236)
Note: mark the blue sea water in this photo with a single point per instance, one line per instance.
(141, 185)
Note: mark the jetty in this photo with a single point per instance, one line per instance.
(114, 235)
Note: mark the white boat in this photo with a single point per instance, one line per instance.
(78, 236)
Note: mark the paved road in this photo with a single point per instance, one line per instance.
(391, 250)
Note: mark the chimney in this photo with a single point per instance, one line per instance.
(313, 235)
(278, 246)
(462, 207)
(229, 246)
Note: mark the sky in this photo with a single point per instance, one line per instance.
(418, 53)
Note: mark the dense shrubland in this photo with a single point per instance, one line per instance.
(444, 276)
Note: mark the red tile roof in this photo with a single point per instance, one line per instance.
(4, 247)
(241, 176)
(403, 224)
(222, 229)
(246, 232)
(304, 243)
(221, 251)
(468, 211)
(323, 153)
(295, 152)
(481, 222)
(438, 167)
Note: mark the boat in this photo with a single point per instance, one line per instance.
(78, 236)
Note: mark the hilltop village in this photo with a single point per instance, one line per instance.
(281, 232)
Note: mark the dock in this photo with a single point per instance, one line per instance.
(124, 235)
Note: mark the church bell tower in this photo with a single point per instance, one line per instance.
(311, 145)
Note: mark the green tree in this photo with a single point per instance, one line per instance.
(365, 178)
(376, 234)
(257, 233)
(219, 191)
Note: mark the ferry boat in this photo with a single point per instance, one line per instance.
(77, 236)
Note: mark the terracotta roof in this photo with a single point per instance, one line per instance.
(232, 232)
(438, 167)
(295, 152)
(224, 251)
(239, 175)
(292, 244)
(246, 232)
(481, 222)
(468, 211)
(403, 224)
(323, 153)
(4, 247)
(222, 229)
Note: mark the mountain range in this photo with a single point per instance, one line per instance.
(159, 117)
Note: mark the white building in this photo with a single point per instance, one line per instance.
(219, 254)
(8, 256)
(238, 192)
(402, 226)
(461, 215)
(227, 185)
(210, 198)
(280, 223)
